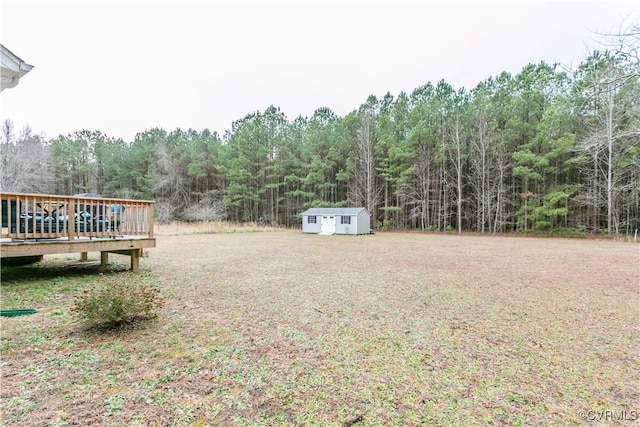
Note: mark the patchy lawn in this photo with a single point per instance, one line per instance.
(282, 328)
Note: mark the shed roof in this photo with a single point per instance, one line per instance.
(333, 211)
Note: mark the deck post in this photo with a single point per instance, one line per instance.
(104, 258)
(135, 259)
(151, 220)
(84, 256)
(71, 221)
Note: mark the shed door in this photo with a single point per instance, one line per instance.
(328, 224)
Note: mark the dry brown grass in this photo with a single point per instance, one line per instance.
(291, 329)
(176, 228)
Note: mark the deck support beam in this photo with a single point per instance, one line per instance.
(124, 246)
(135, 255)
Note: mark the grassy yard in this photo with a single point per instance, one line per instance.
(282, 328)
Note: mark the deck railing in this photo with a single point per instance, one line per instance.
(46, 216)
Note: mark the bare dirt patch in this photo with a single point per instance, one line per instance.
(282, 328)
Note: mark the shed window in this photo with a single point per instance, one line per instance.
(345, 220)
(311, 219)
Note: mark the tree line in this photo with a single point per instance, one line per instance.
(545, 149)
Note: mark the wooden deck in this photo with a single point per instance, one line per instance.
(42, 224)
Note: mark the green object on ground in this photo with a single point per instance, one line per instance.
(17, 312)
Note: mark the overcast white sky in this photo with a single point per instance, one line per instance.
(122, 67)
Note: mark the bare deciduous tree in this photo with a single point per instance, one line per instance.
(363, 185)
(170, 182)
(457, 156)
(626, 40)
(613, 88)
(417, 191)
(25, 161)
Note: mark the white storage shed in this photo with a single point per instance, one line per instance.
(336, 221)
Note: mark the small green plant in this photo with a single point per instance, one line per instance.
(384, 225)
(118, 299)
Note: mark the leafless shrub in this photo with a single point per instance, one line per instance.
(164, 212)
(208, 209)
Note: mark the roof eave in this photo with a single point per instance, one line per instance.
(13, 68)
